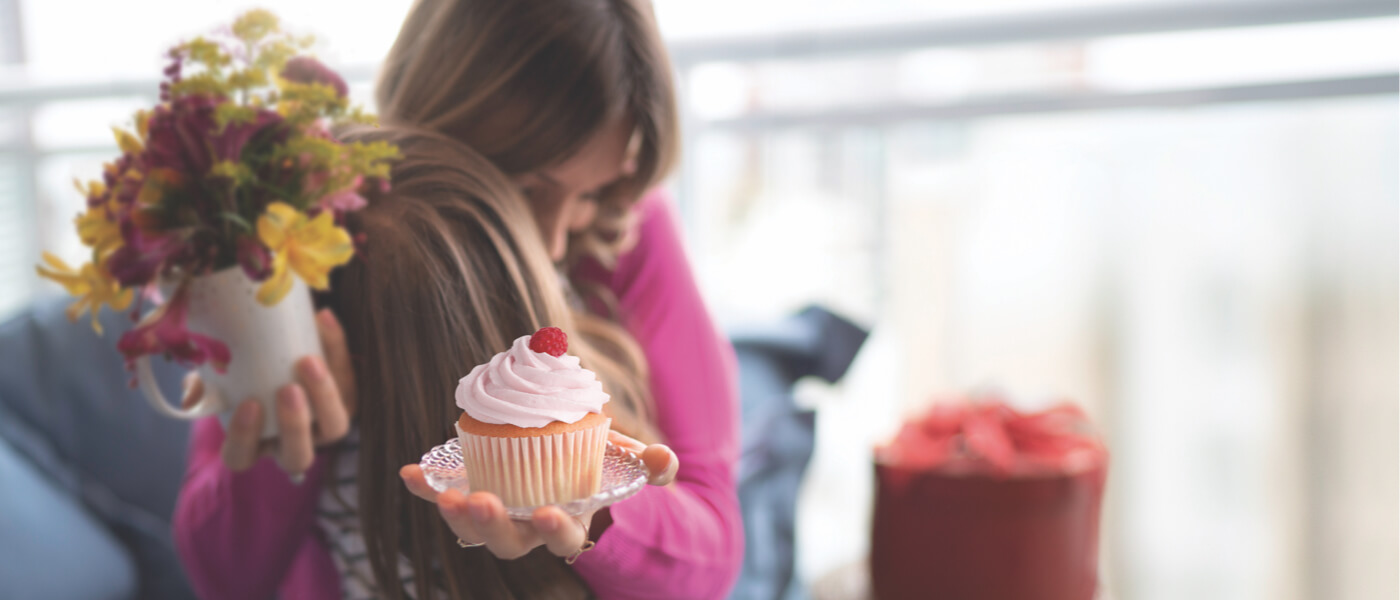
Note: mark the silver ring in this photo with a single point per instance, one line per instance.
(463, 544)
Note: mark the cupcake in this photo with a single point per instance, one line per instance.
(532, 427)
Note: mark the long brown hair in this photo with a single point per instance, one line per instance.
(527, 82)
(453, 270)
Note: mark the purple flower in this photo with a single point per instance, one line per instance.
(141, 256)
(304, 69)
(228, 144)
(345, 200)
(177, 133)
(184, 135)
(166, 334)
(254, 258)
(173, 73)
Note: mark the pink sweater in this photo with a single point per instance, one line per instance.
(253, 534)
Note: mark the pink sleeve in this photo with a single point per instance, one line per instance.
(687, 540)
(237, 533)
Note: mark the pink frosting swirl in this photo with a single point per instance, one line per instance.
(525, 388)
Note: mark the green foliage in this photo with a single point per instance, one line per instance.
(200, 84)
(207, 53)
(234, 114)
(358, 116)
(304, 103)
(255, 25)
(237, 221)
(237, 172)
(371, 160)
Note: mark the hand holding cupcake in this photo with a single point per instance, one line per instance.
(532, 433)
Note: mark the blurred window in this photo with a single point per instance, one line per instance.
(1183, 230)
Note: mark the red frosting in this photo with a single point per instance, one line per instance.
(994, 439)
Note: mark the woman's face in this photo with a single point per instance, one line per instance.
(564, 197)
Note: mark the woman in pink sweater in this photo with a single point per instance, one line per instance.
(573, 101)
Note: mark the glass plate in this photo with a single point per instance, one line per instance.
(623, 475)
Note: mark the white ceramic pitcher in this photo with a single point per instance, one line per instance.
(264, 343)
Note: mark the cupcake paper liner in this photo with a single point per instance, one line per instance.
(536, 470)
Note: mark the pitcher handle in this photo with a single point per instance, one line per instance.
(212, 404)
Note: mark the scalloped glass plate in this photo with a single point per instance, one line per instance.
(623, 475)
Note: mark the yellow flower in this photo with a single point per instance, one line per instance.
(127, 142)
(311, 248)
(99, 231)
(91, 189)
(98, 227)
(143, 123)
(93, 287)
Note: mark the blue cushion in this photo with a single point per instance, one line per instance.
(53, 548)
(66, 407)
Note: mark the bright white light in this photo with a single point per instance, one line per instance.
(719, 90)
(83, 123)
(122, 40)
(942, 74)
(1243, 55)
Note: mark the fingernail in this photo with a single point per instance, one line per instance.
(479, 513)
(245, 416)
(288, 398)
(326, 317)
(313, 368)
(452, 508)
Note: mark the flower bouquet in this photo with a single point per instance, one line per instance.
(228, 200)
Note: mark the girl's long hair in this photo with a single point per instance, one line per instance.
(453, 270)
(527, 82)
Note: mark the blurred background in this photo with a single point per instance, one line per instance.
(1180, 214)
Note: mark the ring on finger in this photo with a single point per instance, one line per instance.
(587, 544)
(464, 544)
